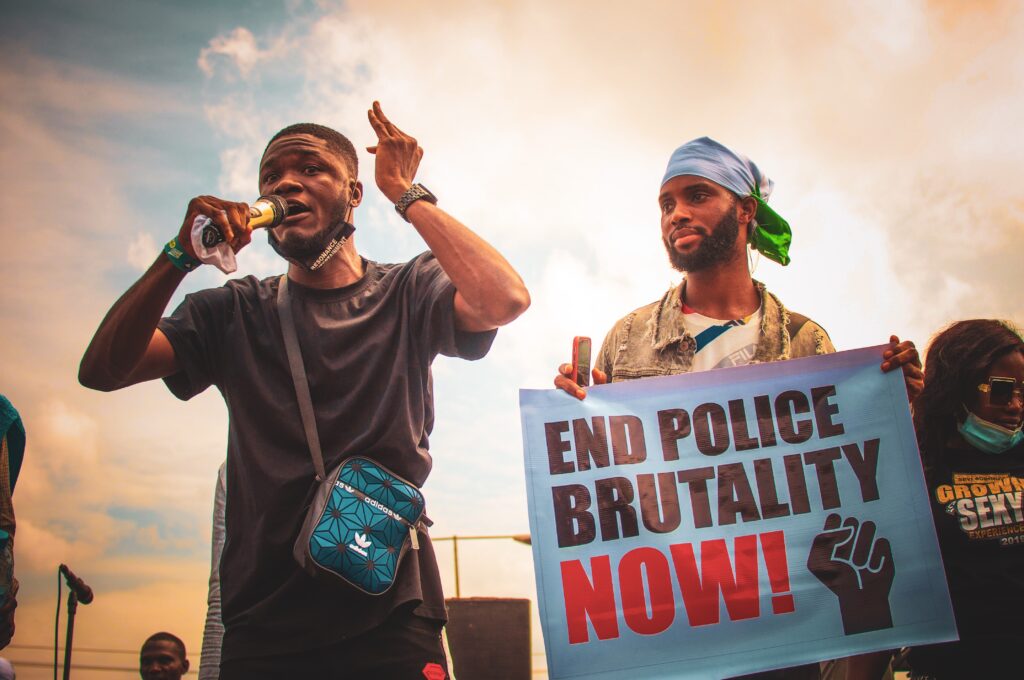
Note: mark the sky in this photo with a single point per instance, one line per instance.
(891, 130)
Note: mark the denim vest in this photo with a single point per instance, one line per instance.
(652, 341)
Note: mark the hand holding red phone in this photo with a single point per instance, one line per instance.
(572, 378)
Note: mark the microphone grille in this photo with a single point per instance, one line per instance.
(280, 208)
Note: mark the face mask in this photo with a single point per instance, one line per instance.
(988, 437)
(328, 242)
(332, 239)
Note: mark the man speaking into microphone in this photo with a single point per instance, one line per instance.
(368, 333)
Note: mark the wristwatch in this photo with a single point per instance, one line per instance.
(411, 195)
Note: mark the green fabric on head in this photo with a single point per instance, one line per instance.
(771, 235)
(704, 157)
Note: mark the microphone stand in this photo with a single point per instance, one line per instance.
(72, 608)
(75, 586)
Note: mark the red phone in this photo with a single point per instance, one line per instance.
(581, 360)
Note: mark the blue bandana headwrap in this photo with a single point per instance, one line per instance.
(704, 157)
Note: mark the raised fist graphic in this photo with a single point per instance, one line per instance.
(858, 568)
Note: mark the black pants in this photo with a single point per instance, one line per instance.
(404, 646)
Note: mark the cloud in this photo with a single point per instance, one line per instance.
(39, 549)
(85, 95)
(94, 483)
(546, 129)
(71, 212)
(890, 129)
(141, 251)
(238, 48)
(109, 503)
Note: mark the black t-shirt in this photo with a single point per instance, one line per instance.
(367, 350)
(977, 507)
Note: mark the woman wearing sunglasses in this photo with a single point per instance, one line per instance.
(968, 422)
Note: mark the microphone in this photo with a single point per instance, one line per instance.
(267, 212)
(76, 584)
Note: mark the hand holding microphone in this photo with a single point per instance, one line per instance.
(267, 212)
(211, 222)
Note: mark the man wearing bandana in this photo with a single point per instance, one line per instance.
(713, 205)
(368, 333)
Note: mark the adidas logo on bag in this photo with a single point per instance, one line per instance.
(361, 544)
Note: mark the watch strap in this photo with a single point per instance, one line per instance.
(414, 193)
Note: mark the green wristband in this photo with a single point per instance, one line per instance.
(179, 258)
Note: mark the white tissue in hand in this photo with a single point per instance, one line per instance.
(221, 255)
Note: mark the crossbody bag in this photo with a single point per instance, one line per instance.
(363, 518)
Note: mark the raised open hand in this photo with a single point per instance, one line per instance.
(398, 155)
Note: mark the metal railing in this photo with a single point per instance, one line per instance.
(518, 538)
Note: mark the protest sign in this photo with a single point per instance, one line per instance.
(728, 521)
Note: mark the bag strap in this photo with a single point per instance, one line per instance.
(298, 371)
(291, 346)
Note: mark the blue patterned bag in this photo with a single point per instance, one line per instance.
(363, 517)
(361, 522)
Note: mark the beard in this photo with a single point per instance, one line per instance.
(307, 247)
(717, 248)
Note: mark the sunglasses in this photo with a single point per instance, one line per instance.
(1001, 390)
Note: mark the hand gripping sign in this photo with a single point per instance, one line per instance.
(730, 521)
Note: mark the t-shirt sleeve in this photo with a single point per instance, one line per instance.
(434, 307)
(195, 331)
